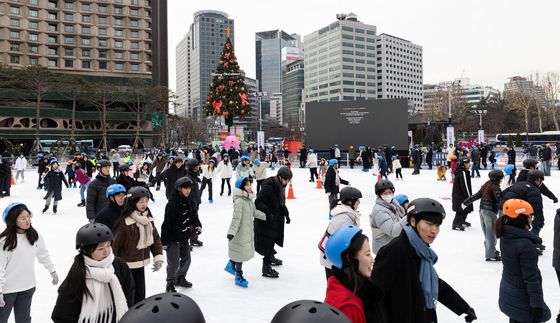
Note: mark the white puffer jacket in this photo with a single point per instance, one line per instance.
(225, 171)
(341, 215)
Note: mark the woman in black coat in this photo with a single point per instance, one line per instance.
(170, 176)
(53, 183)
(462, 190)
(397, 270)
(521, 293)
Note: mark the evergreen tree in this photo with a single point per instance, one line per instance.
(228, 96)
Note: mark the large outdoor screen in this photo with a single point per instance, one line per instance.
(357, 123)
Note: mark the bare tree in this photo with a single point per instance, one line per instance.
(551, 86)
(72, 87)
(136, 97)
(102, 96)
(524, 103)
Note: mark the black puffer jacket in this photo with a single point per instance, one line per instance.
(109, 215)
(330, 181)
(171, 175)
(128, 181)
(487, 203)
(96, 199)
(462, 189)
(53, 181)
(271, 231)
(180, 217)
(526, 191)
(195, 193)
(544, 190)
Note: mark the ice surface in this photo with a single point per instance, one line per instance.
(461, 254)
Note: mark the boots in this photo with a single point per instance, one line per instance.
(45, 209)
(54, 209)
(82, 203)
(182, 282)
(276, 262)
(170, 288)
(267, 271)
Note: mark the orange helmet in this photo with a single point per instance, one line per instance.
(69, 161)
(512, 208)
(453, 157)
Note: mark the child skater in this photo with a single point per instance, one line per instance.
(99, 286)
(53, 181)
(180, 217)
(136, 237)
(208, 173)
(20, 244)
(397, 167)
(84, 180)
(70, 173)
(259, 168)
(240, 234)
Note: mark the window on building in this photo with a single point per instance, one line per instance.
(134, 67)
(102, 53)
(86, 30)
(103, 20)
(52, 63)
(69, 28)
(119, 33)
(102, 9)
(33, 25)
(34, 2)
(134, 45)
(119, 55)
(134, 34)
(52, 51)
(15, 11)
(118, 10)
(53, 16)
(52, 27)
(119, 66)
(51, 4)
(86, 41)
(102, 65)
(14, 22)
(14, 59)
(86, 64)
(118, 21)
(86, 52)
(102, 31)
(68, 40)
(68, 63)
(118, 44)
(14, 47)
(68, 5)
(134, 2)
(52, 39)
(34, 49)
(86, 18)
(33, 13)
(68, 52)
(103, 43)
(86, 7)
(33, 61)
(134, 23)
(134, 12)
(68, 17)
(33, 37)
(135, 56)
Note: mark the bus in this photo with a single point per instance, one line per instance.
(63, 146)
(535, 138)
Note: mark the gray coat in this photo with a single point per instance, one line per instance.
(386, 223)
(242, 247)
(341, 215)
(556, 252)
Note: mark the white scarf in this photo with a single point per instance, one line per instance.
(101, 281)
(144, 228)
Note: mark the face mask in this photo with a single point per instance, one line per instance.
(388, 198)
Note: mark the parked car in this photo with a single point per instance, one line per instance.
(124, 149)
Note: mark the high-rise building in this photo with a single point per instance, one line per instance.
(292, 85)
(109, 39)
(399, 70)
(250, 123)
(523, 85)
(206, 39)
(340, 61)
(182, 75)
(275, 101)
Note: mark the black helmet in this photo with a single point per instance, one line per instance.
(165, 307)
(530, 162)
(184, 182)
(426, 208)
(137, 192)
(382, 185)
(176, 159)
(191, 163)
(535, 174)
(308, 311)
(495, 175)
(92, 234)
(103, 163)
(124, 168)
(464, 160)
(350, 193)
(285, 173)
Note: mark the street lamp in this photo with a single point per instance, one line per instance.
(260, 95)
(455, 83)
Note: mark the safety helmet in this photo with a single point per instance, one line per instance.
(350, 193)
(427, 209)
(165, 307)
(137, 192)
(184, 182)
(512, 208)
(240, 182)
(333, 162)
(124, 168)
(401, 199)
(509, 169)
(256, 162)
(244, 158)
(530, 162)
(308, 311)
(495, 175)
(338, 243)
(103, 163)
(114, 189)
(53, 161)
(9, 208)
(534, 174)
(382, 185)
(465, 160)
(191, 163)
(285, 173)
(93, 234)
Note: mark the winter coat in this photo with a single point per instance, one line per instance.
(543, 188)
(70, 171)
(225, 171)
(340, 297)
(89, 167)
(396, 271)
(21, 163)
(303, 154)
(462, 189)
(171, 175)
(475, 156)
(53, 181)
(366, 158)
(526, 191)
(331, 179)
(511, 157)
(311, 161)
(242, 247)
(195, 192)
(69, 301)
(159, 164)
(81, 177)
(128, 181)
(109, 215)
(397, 164)
(127, 234)
(521, 284)
(386, 224)
(260, 171)
(490, 204)
(352, 155)
(556, 246)
(42, 166)
(207, 172)
(429, 156)
(270, 232)
(244, 171)
(96, 198)
(180, 217)
(546, 154)
(342, 215)
(116, 158)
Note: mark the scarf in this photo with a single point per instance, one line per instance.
(144, 228)
(393, 206)
(107, 298)
(428, 275)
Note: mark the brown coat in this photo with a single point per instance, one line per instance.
(126, 238)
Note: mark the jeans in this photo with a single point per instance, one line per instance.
(21, 303)
(487, 223)
(546, 167)
(178, 260)
(476, 169)
(83, 189)
(332, 198)
(22, 172)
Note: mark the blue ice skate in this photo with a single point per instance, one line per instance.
(240, 281)
(210, 201)
(330, 216)
(229, 268)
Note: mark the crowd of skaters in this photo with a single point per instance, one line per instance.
(107, 276)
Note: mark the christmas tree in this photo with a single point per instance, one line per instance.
(228, 95)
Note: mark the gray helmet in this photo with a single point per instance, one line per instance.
(382, 185)
(183, 182)
(535, 174)
(495, 175)
(103, 163)
(137, 192)
(124, 168)
(350, 193)
(308, 311)
(464, 160)
(285, 173)
(191, 163)
(530, 162)
(165, 307)
(93, 234)
(426, 208)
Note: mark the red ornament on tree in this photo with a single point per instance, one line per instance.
(217, 107)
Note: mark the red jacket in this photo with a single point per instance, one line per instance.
(342, 298)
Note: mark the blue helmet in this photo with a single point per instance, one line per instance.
(256, 162)
(226, 155)
(509, 169)
(401, 198)
(245, 158)
(115, 189)
(333, 162)
(338, 243)
(8, 209)
(311, 151)
(39, 155)
(240, 182)
(393, 157)
(53, 161)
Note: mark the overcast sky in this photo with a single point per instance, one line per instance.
(485, 40)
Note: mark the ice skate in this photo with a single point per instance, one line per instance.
(45, 209)
(184, 283)
(276, 262)
(82, 203)
(170, 288)
(54, 208)
(267, 271)
(240, 281)
(229, 268)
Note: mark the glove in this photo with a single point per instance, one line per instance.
(471, 316)
(288, 220)
(555, 200)
(230, 236)
(463, 206)
(157, 265)
(198, 230)
(328, 193)
(54, 278)
(536, 314)
(2, 303)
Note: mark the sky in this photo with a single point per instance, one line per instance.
(484, 40)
